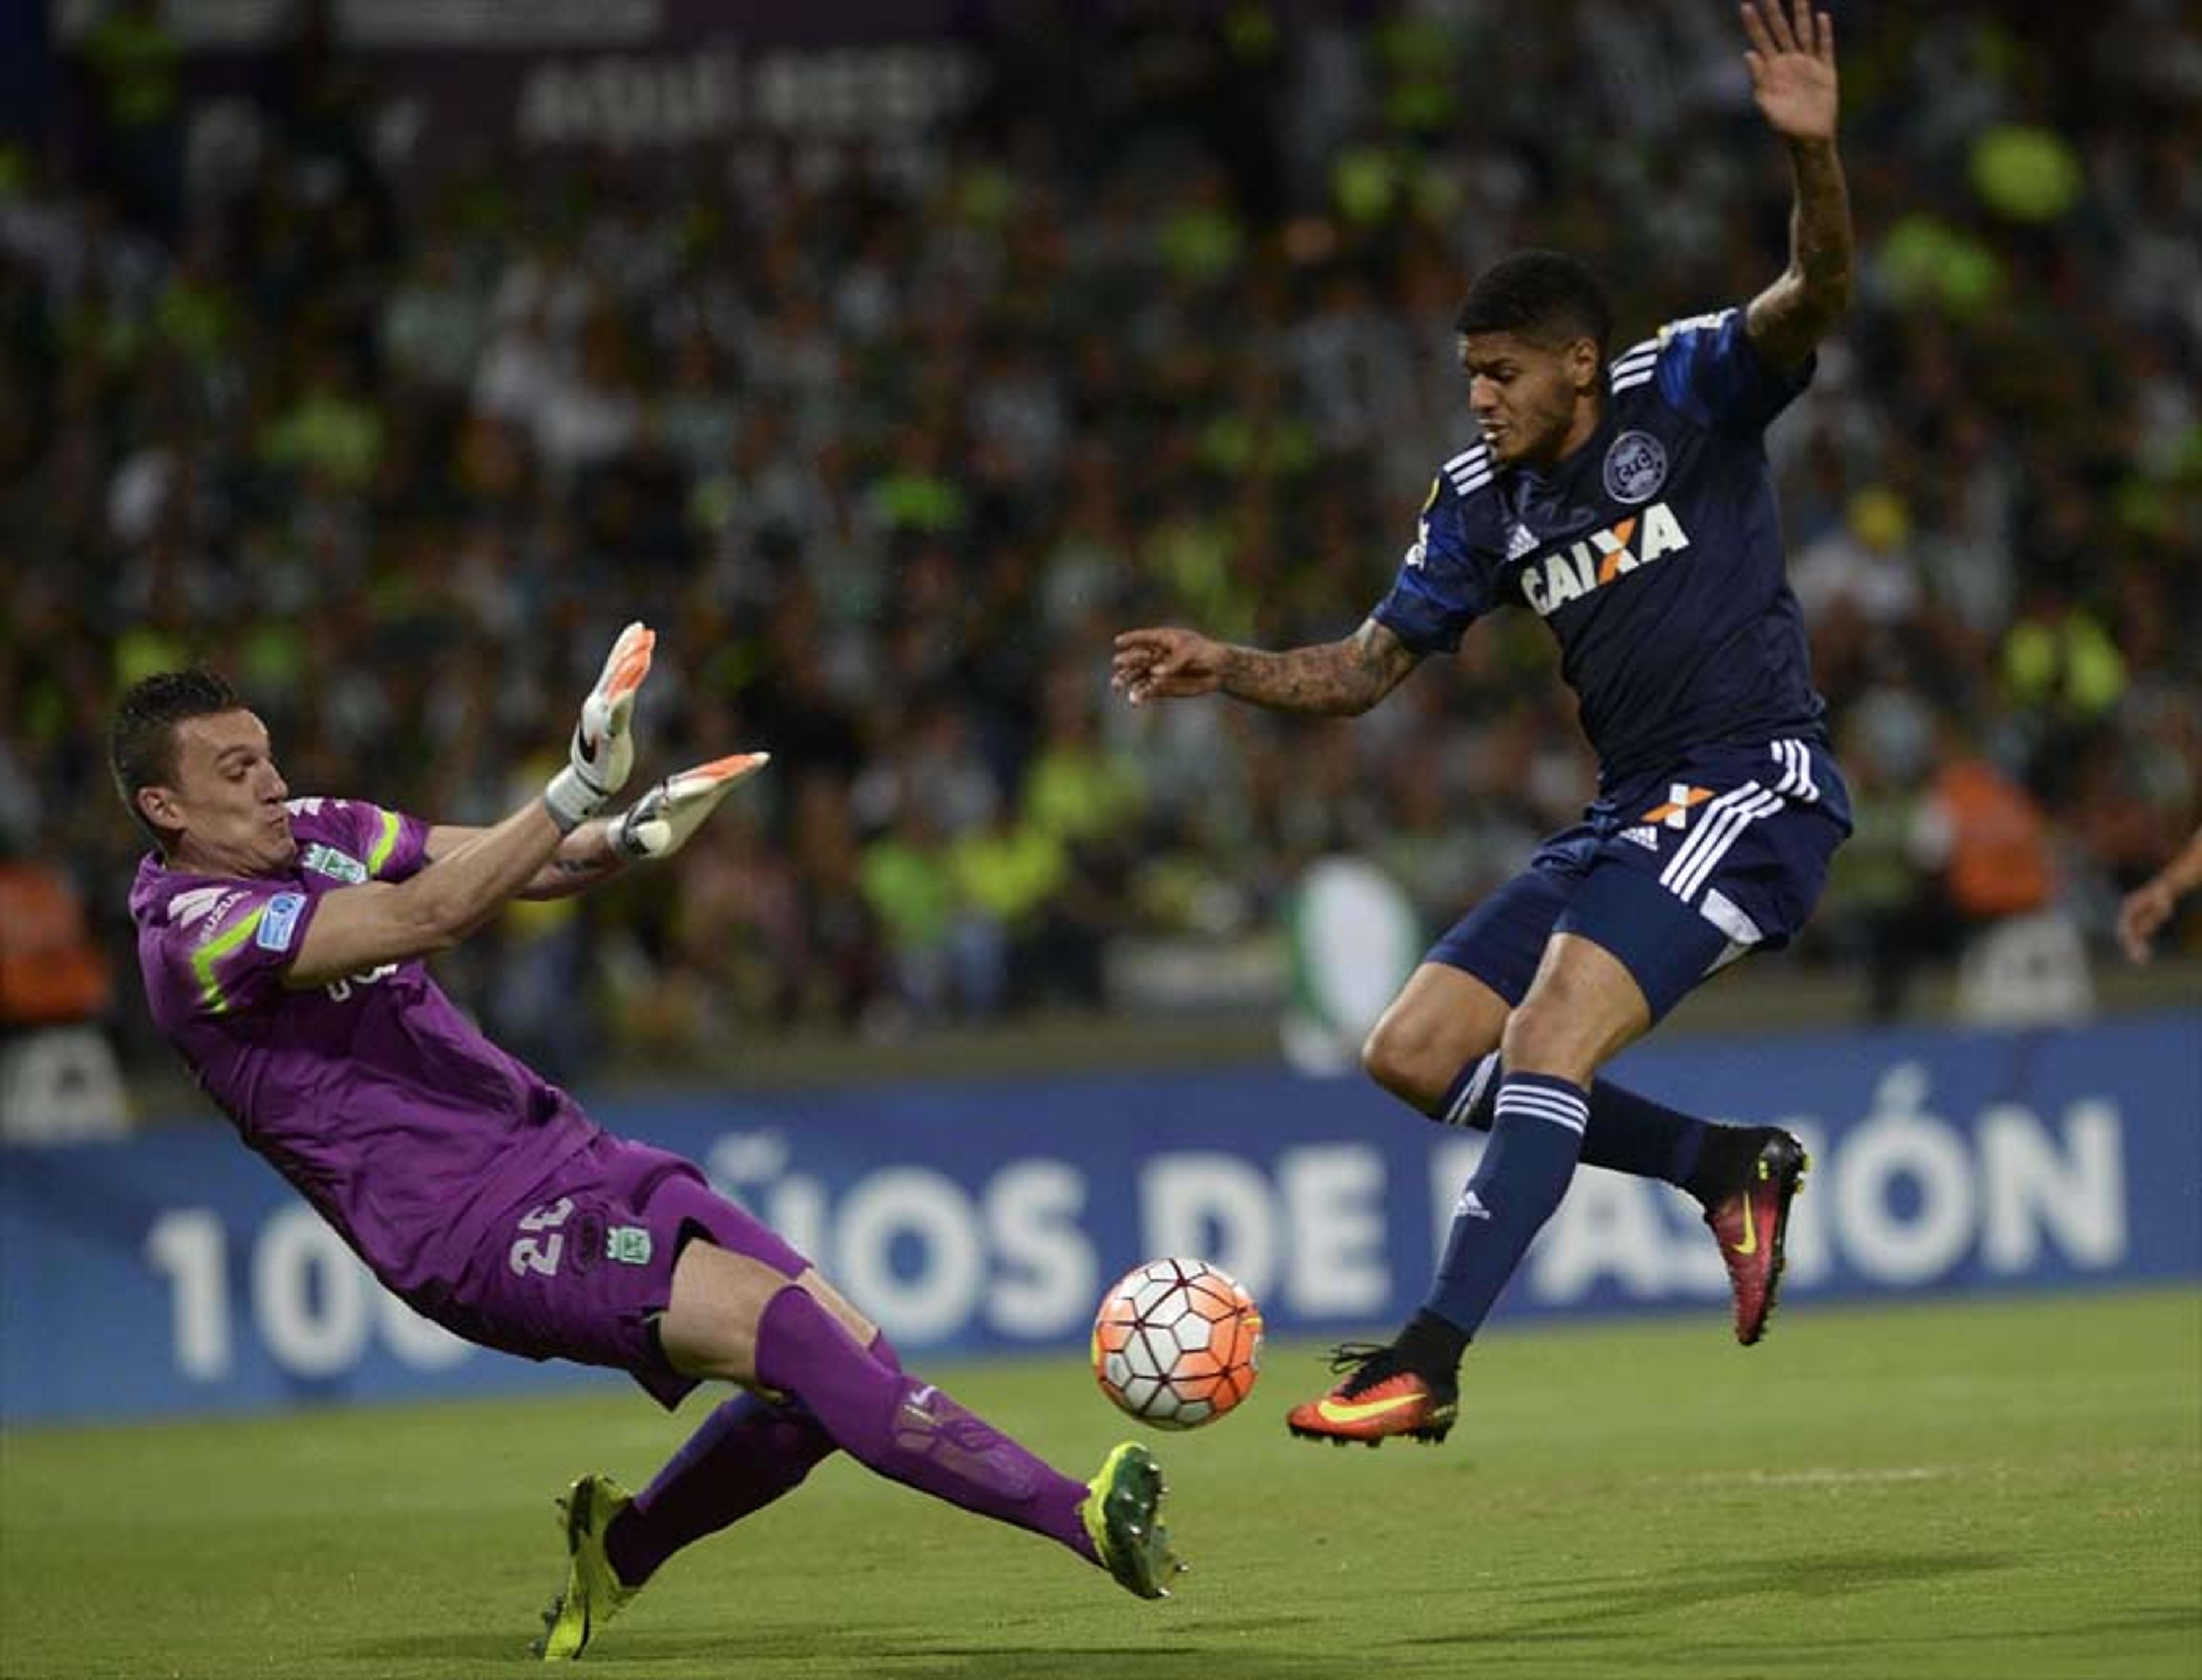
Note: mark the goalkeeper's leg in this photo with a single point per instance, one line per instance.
(733, 1316)
(749, 1452)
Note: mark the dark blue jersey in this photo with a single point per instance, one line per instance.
(1653, 551)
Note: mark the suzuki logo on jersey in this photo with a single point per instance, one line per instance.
(1593, 561)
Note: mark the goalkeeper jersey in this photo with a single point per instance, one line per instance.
(374, 1096)
(1653, 552)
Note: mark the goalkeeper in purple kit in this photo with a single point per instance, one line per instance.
(282, 943)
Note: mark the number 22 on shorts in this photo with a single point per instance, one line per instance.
(539, 1252)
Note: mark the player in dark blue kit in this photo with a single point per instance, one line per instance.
(1627, 501)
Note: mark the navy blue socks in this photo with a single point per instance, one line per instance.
(1537, 1132)
(1627, 1133)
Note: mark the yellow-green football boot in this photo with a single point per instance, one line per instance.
(1119, 1512)
(594, 1593)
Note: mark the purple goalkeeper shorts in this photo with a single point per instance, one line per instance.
(582, 1269)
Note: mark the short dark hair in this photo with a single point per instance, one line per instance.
(141, 747)
(1547, 296)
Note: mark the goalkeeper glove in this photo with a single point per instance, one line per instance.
(659, 823)
(602, 752)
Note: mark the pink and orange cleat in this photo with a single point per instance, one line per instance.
(1750, 1223)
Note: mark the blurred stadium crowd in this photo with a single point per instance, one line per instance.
(888, 442)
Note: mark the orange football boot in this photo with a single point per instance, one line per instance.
(1379, 1398)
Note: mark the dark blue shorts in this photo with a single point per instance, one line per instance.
(1674, 874)
(581, 1270)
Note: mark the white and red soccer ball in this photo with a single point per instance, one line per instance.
(1177, 1343)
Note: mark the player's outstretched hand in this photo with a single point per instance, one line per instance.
(2144, 911)
(658, 823)
(1165, 665)
(602, 752)
(1791, 61)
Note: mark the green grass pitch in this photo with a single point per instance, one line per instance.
(2007, 1489)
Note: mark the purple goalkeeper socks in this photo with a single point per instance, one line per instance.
(745, 1454)
(909, 1431)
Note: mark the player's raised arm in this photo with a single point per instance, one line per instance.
(1332, 679)
(359, 927)
(1792, 60)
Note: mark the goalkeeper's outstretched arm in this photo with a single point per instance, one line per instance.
(654, 827)
(583, 859)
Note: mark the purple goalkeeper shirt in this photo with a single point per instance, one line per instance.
(373, 1094)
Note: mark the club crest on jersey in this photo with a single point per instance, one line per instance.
(1635, 467)
(1593, 561)
(329, 861)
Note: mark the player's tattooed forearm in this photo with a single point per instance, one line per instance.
(1335, 678)
(1820, 232)
(1792, 316)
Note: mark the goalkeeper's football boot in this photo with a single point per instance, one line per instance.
(1120, 1511)
(1381, 1397)
(1750, 1220)
(594, 1593)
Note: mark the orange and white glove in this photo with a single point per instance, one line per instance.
(658, 823)
(602, 752)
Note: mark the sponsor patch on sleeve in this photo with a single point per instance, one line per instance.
(279, 923)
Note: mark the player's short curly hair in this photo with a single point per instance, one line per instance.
(1545, 296)
(141, 746)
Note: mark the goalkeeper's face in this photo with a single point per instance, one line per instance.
(1534, 401)
(225, 802)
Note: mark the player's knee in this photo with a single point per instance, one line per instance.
(1530, 1040)
(1406, 1059)
(1547, 1036)
(860, 1329)
(709, 1327)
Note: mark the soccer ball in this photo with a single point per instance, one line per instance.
(1177, 1343)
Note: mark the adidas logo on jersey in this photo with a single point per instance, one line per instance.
(1643, 835)
(1591, 563)
(1520, 540)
